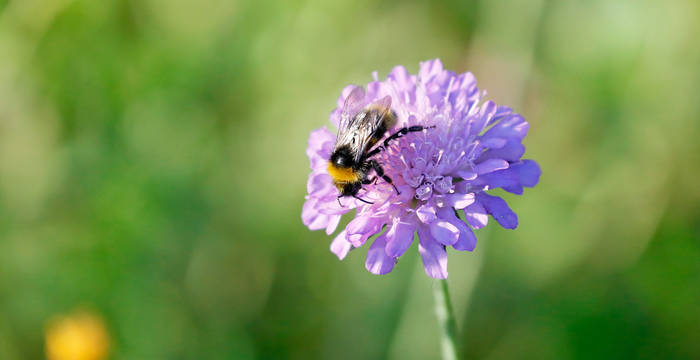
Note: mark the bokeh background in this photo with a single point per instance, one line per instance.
(153, 168)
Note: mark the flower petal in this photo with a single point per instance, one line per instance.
(528, 172)
(511, 151)
(498, 208)
(426, 213)
(488, 109)
(496, 179)
(467, 175)
(319, 183)
(494, 142)
(444, 232)
(467, 240)
(490, 165)
(317, 139)
(433, 254)
(377, 261)
(361, 228)
(333, 221)
(399, 238)
(512, 126)
(429, 69)
(476, 215)
(313, 219)
(460, 201)
(402, 78)
(341, 246)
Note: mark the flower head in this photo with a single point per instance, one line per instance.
(441, 173)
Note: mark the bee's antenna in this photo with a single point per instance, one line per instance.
(339, 203)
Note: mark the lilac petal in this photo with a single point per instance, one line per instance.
(439, 200)
(333, 221)
(341, 246)
(488, 109)
(444, 232)
(501, 112)
(433, 254)
(491, 165)
(377, 261)
(319, 148)
(460, 201)
(443, 184)
(401, 76)
(334, 117)
(464, 92)
(511, 151)
(501, 178)
(513, 126)
(361, 228)
(328, 205)
(399, 238)
(476, 215)
(467, 175)
(318, 183)
(424, 192)
(374, 88)
(426, 213)
(514, 189)
(429, 69)
(313, 219)
(528, 172)
(317, 139)
(467, 240)
(494, 143)
(498, 208)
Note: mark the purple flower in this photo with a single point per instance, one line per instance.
(441, 173)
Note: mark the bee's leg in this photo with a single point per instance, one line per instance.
(403, 131)
(380, 173)
(376, 151)
(363, 200)
(368, 181)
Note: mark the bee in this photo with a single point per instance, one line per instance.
(360, 129)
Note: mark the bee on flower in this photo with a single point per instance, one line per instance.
(415, 154)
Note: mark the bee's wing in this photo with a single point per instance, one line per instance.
(384, 104)
(353, 104)
(366, 125)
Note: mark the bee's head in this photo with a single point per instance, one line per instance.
(342, 158)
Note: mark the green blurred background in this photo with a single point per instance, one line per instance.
(153, 168)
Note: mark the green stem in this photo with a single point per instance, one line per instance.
(446, 320)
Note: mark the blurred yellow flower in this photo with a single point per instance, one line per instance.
(79, 336)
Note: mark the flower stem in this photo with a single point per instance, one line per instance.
(446, 320)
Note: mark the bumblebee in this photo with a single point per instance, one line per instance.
(361, 128)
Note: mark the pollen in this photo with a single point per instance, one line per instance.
(343, 175)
